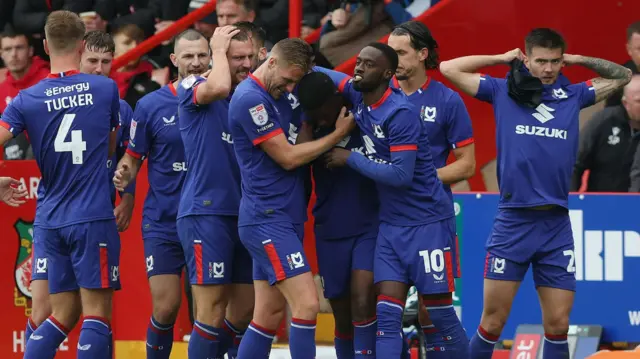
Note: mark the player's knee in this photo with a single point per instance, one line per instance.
(306, 308)
(363, 306)
(556, 325)
(166, 312)
(494, 321)
(269, 315)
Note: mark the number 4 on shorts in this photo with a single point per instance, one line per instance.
(76, 146)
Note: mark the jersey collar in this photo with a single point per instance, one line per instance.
(424, 86)
(257, 81)
(63, 74)
(381, 100)
(172, 89)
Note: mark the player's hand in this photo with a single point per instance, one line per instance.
(206, 73)
(345, 122)
(337, 157)
(509, 56)
(12, 192)
(222, 37)
(122, 177)
(569, 59)
(124, 211)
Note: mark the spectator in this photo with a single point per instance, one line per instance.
(133, 79)
(633, 49)
(112, 14)
(209, 23)
(608, 143)
(635, 172)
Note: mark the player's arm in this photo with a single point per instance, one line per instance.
(115, 120)
(290, 156)
(612, 76)
(460, 135)
(343, 83)
(11, 123)
(305, 134)
(403, 139)
(588, 138)
(462, 71)
(140, 140)
(5, 135)
(218, 84)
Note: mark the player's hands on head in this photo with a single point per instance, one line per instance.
(509, 56)
(12, 192)
(345, 122)
(222, 37)
(337, 157)
(569, 59)
(122, 177)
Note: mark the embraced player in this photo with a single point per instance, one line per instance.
(273, 203)
(96, 59)
(155, 136)
(417, 225)
(443, 112)
(537, 139)
(346, 224)
(72, 119)
(220, 268)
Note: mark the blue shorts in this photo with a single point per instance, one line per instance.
(84, 255)
(276, 249)
(337, 258)
(163, 256)
(542, 239)
(38, 259)
(419, 255)
(212, 250)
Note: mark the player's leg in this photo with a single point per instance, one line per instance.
(554, 276)
(334, 265)
(363, 297)
(95, 256)
(391, 279)
(431, 252)
(40, 305)
(164, 259)
(64, 298)
(208, 251)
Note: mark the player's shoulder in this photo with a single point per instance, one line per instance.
(397, 100)
(447, 95)
(249, 94)
(189, 82)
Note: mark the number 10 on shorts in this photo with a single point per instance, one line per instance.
(433, 260)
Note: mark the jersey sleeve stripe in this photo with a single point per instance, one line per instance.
(463, 143)
(268, 136)
(133, 154)
(589, 84)
(195, 90)
(5, 125)
(125, 144)
(343, 83)
(404, 148)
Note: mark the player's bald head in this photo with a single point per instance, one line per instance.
(188, 35)
(633, 87)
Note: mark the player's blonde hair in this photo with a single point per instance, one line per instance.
(63, 30)
(294, 52)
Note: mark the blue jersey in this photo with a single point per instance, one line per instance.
(346, 202)
(446, 117)
(69, 117)
(155, 134)
(122, 141)
(212, 184)
(269, 192)
(393, 124)
(536, 147)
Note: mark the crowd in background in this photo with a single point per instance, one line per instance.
(608, 158)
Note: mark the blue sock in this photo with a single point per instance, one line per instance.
(482, 344)
(364, 338)
(232, 340)
(227, 336)
(389, 335)
(232, 353)
(406, 350)
(95, 336)
(204, 341)
(31, 327)
(302, 339)
(555, 347)
(435, 344)
(343, 343)
(159, 340)
(256, 342)
(50, 334)
(452, 336)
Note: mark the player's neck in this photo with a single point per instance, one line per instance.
(259, 73)
(374, 96)
(413, 83)
(64, 63)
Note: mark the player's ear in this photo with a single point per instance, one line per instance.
(46, 47)
(423, 54)
(174, 59)
(388, 74)
(262, 54)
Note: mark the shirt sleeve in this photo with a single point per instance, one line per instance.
(256, 118)
(343, 82)
(585, 92)
(126, 115)
(187, 93)
(12, 118)
(459, 130)
(115, 108)
(488, 88)
(140, 134)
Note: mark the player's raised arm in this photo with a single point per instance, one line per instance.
(218, 84)
(462, 70)
(612, 76)
(343, 82)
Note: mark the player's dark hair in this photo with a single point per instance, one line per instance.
(389, 53)
(99, 41)
(634, 28)
(545, 38)
(420, 38)
(243, 35)
(189, 35)
(257, 33)
(294, 51)
(315, 89)
(63, 30)
(11, 33)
